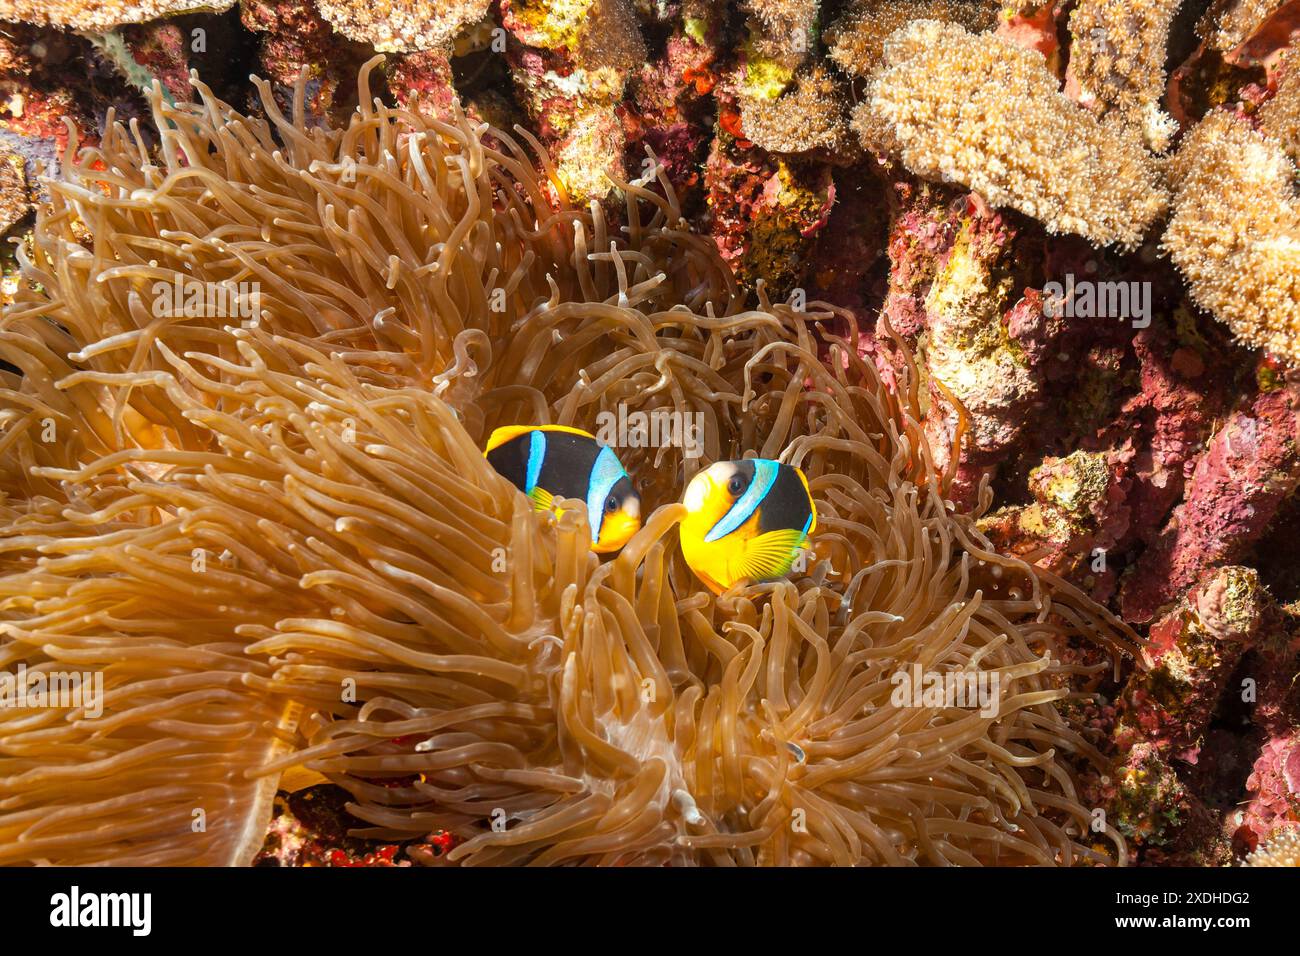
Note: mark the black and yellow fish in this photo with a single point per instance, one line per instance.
(746, 521)
(548, 462)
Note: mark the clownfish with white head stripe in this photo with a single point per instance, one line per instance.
(746, 521)
(549, 462)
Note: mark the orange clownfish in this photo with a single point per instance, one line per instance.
(547, 462)
(746, 521)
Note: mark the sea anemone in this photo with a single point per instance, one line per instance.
(1235, 231)
(984, 112)
(276, 539)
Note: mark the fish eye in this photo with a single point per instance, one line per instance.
(611, 505)
(736, 485)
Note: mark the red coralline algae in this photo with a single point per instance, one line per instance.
(1252, 464)
(310, 828)
(765, 211)
(1274, 783)
(670, 110)
(426, 75)
(1194, 650)
(293, 36)
(162, 49)
(1078, 515)
(1036, 25)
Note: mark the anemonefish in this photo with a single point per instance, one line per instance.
(746, 521)
(552, 461)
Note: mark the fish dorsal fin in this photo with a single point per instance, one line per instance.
(771, 555)
(568, 429)
(505, 433)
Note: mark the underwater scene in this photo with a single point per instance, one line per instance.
(649, 433)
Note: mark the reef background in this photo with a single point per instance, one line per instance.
(1153, 467)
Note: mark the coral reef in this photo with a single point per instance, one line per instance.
(860, 205)
(623, 728)
(981, 111)
(1228, 22)
(571, 68)
(1283, 849)
(1117, 62)
(1235, 231)
(857, 38)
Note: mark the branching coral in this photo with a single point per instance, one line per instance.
(1280, 116)
(810, 116)
(1117, 61)
(1227, 22)
(280, 535)
(1235, 231)
(986, 113)
(857, 38)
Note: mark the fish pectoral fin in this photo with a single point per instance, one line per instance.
(542, 499)
(771, 555)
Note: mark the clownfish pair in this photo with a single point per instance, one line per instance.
(746, 520)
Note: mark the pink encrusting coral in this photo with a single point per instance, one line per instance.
(1274, 784)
